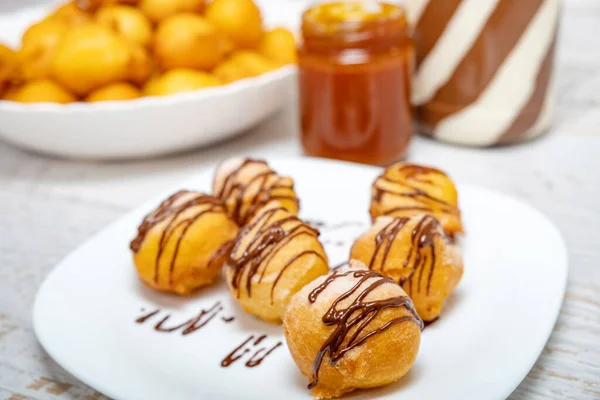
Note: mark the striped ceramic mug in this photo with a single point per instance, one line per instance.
(484, 71)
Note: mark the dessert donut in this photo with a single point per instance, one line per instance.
(352, 329)
(246, 185)
(182, 245)
(274, 256)
(416, 253)
(405, 189)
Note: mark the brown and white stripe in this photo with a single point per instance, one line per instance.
(484, 68)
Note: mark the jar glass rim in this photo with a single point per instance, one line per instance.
(354, 20)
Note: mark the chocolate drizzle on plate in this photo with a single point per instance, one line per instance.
(421, 200)
(192, 325)
(334, 226)
(171, 209)
(356, 316)
(269, 236)
(187, 327)
(248, 346)
(267, 186)
(146, 317)
(335, 232)
(421, 256)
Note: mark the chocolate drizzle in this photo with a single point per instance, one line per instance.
(187, 327)
(270, 187)
(199, 321)
(387, 236)
(422, 252)
(423, 245)
(146, 317)
(356, 316)
(423, 201)
(333, 231)
(171, 209)
(245, 348)
(335, 226)
(269, 236)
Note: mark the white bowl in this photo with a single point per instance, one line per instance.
(148, 126)
(139, 128)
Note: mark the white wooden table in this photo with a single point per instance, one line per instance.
(48, 207)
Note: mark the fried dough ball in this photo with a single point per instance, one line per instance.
(240, 20)
(274, 256)
(243, 64)
(94, 5)
(227, 46)
(114, 92)
(70, 14)
(127, 21)
(246, 185)
(89, 57)
(10, 93)
(253, 63)
(141, 65)
(279, 46)
(415, 252)
(178, 81)
(352, 329)
(181, 246)
(158, 10)
(39, 45)
(42, 91)
(229, 72)
(408, 189)
(187, 40)
(9, 65)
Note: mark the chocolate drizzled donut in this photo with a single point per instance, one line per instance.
(270, 237)
(268, 185)
(355, 316)
(423, 201)
(422, 254)
(171, 209)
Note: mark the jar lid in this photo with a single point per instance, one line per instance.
(354, 21)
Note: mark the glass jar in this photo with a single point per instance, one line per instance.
(355, 62)
(485, 69)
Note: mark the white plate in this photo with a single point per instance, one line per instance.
(144, 127)
(490, 334)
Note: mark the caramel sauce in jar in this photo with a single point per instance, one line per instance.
(356, 61)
